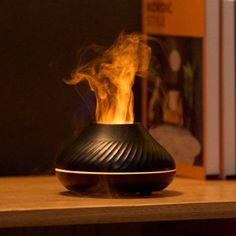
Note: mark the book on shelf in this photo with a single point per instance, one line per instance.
(228, 113)
(181, 106)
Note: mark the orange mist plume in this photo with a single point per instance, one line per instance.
(111, 77)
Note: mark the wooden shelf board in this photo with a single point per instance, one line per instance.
(43, 201)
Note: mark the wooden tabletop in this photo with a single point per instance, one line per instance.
(42, 200)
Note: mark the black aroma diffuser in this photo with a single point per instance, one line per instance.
(122, 157)
(125, 157)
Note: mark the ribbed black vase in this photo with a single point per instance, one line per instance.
(125, 157)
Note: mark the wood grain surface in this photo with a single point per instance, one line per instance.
(43, 201)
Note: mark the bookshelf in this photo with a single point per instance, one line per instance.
(42, 201)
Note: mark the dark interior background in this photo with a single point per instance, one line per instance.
(39, 43)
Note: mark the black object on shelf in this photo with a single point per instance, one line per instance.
(124, 157)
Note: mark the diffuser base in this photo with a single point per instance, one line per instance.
(143, 183)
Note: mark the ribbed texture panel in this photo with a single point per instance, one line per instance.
(123, 148)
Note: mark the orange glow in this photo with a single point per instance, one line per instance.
(111, 77)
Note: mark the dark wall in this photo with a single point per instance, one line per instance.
(39, 42)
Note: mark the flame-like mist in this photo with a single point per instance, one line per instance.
(111, 77)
